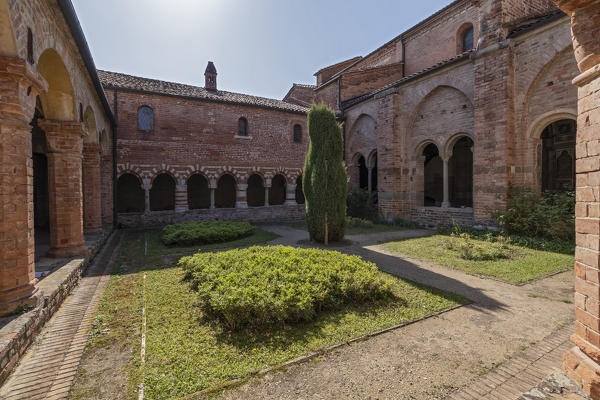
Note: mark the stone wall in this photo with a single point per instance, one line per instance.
(253, 214)
(433, 217)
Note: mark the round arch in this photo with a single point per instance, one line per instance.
(255, 192)
(130, 195)
(452, 140)
(278, 190)
(89, 119)
(540, 123)
(198, 191)
(162, 192)
(59, 100)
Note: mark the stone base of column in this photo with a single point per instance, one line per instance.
(583, 370)
(445, 205)
(241, 204)
(23, 296)
(290, 203)
(67, 252)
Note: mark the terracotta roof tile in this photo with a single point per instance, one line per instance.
(115, 80)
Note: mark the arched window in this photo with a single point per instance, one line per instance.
(242, 127)
(198, 192)
(297, 133)
(145, 119)
(467, 39)
(277, 191)
(225, 194)
(255, 193)
(130, 195)
(162, 193)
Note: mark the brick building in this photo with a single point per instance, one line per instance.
(187, 152)
(444, 118)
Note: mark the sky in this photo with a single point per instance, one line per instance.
(259, 47)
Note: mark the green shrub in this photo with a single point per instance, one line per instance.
(324, 180)
(259, 286)
(550, 215)
(204, 232)
(361, 204)
(494, 248)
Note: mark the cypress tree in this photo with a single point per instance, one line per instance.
(324, 180)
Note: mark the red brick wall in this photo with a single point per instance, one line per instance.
(436, 40)
(328, 94)
(301, 95)
(358, 83)
(515, 9)
(327, 73)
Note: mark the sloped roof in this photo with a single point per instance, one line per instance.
(115, 80)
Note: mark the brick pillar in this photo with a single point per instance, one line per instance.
(290, 194)
(20, 85)
(241, 198)
(92, 189)
(65, 145)
(107, 189)
(582, 362)
(181, 196)
(393, 199)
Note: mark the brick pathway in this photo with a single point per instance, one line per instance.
(50, 365)
(522, 373)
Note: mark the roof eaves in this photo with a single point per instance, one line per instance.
(223, 101)
(70, 16)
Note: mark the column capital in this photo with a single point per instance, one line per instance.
(63, 136)
(21, 83)
(585, 19)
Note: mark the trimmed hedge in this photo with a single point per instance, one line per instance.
(260, 286)
(205, 232)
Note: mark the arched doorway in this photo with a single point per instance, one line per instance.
(373, 172)
(162, 193)
(460, 173)
(256, 191)
(277, 191)
(198, 192)
(433, 180)
(130, 195)
(225, 194)
(299, 192)
(558, 155)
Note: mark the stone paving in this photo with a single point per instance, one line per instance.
(49, 367)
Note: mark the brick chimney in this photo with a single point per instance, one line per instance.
(210, 77)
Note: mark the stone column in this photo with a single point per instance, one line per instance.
(181, 197)
(290, 194)
(582, 362)
(146, 185)
(20, 85)
(446, 201)
(369, 180)
(65, 147)
(212, 185)
(92, 189)
(241, 199)
(267, 189)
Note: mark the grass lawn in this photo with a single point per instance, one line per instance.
(185, 354)
(522, 266)
(352, 230)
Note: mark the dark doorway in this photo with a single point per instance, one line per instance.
(256, 191)
(460, 173)
(225, 194)
(198, 192)
(299, 191)
(130, 195)
(363, 173)
(558, 156)
(41, 195)
(162, 193)
(433, 180)
(277, 191)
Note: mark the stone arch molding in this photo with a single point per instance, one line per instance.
(536, 128)
(419, 148)
(449, 146)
